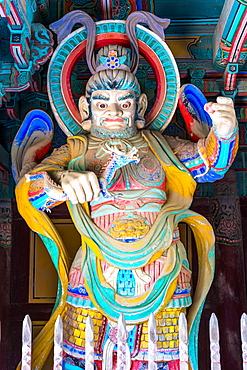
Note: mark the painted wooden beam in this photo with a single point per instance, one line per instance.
(229, 41)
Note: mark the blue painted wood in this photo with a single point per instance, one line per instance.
(179, 9)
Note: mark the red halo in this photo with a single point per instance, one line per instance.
(104, 40)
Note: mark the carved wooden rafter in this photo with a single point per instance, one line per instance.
(31, 44)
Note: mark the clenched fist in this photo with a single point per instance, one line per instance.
(223, 115)
(80, 186)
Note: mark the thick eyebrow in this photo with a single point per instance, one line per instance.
(127, 96)
(100, 97)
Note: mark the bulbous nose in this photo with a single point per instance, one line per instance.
(114, 109)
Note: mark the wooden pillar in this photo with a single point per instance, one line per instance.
(229, 288)
(5, 273)
(227, 296)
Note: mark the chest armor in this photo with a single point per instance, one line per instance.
(146, 174)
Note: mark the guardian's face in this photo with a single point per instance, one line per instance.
(113, 110)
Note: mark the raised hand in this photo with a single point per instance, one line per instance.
(223, 115)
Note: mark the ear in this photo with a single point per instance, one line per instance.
(141, 109)
(83, 107)
(84, 111)
(142, 105)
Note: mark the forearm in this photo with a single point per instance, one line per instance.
(219, 152)
(45, 191)
(208, 159)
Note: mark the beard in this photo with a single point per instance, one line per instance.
(103, 133)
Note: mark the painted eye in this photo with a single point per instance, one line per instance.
(102, 105)
(126, 105)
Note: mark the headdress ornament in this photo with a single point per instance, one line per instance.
(112, 61)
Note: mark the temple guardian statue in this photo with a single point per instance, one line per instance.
(127, 188)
